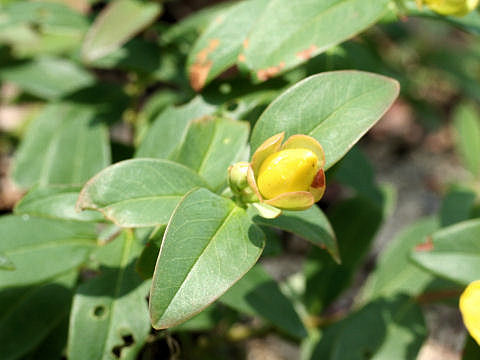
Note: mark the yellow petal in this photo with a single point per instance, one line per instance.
(306, 142)
(298, 200)
(470, 308)
(269, 146)
(252, 183)
(287, 171)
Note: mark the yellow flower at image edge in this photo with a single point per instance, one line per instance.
(452, 7)
(288, 176)
(470, 309)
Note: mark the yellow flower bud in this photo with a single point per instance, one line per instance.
(470, 308)
(286, 171)
(452, 7)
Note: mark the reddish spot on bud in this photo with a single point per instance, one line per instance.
(319, 180)
(426, 246)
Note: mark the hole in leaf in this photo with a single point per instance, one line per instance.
(99, 311)
(232, 106)
(128, 340)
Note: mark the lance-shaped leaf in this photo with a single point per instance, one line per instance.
(288, 33)
(467, 126)
(116, 24)
(258, 294)
(311, 224)
(221, 43)
(57, 202)
(211, 146)
(209, 244)
(452, 253)
(33, 311)
(335, 108)
(139, 192)
(42, 248)
(63, 145)
(168, 132)
(395, 273)
(48, 78)
(109, 317)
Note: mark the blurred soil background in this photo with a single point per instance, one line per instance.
(411, 148)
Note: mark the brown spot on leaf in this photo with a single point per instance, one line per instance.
(199, 70)
(198, 75)
(245, 43)
(426, 246)
(267, 73)
(241, 58)
(319, 180)
(307, 53)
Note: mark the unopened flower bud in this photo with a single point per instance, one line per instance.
(237, 176)
(287, 171)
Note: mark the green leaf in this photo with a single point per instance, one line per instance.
(382, 330)
(48, 14)
(169, 130)
(288, 33)
(356, 171)
(127, 57)
(355, 222)
(211, 145)
(30, 313)
(467, 125)
(53, 346)
(47, 77)
(220, 44)
(394, 272)
(139, 192)
(6, 263)
(145, 265)
(109, 317)
(258, 294)
(210, 243)
(311, 224)
(116, 24)
(452, 253)
(57, 202)
(336, 108)
(63, 145)
(457, 205)
(42, 248)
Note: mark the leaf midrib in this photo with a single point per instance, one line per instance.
(342, 106)
(222, 224)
